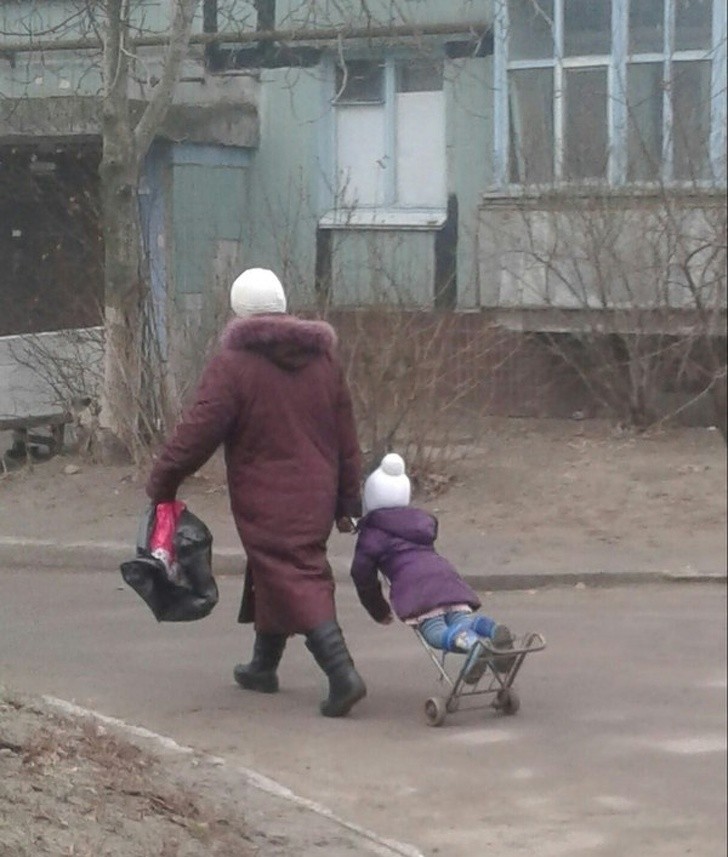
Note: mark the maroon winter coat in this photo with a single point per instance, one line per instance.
(275, 395)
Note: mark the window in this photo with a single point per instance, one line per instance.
(610, 90)
(389, 139)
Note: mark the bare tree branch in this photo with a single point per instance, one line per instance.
(175, 54)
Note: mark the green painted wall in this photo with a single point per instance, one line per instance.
(285, 178)
(209, 204)
(382, 266)
(469, 98)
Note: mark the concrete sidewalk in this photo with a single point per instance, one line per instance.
(541, 504)
(545, 507)
(105, 549)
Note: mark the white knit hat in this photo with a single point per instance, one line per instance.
(257, 291)
(388, 487)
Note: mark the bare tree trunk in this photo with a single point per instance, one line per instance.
(125, 289)
(125, 146)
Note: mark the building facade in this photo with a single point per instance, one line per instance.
(422, 153)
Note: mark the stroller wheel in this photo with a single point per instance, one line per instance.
(435, 711)
(507, 701)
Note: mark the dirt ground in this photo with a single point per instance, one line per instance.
(567, 495)
(69, 787)
(527, 495)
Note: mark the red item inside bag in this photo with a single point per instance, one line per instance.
(172, 569)
(161, 539)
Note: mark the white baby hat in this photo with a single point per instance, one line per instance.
(388, 486)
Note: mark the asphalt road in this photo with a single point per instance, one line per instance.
(619, 749)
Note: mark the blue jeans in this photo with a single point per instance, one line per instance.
(440, 631)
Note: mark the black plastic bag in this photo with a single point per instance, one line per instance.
(184, 589)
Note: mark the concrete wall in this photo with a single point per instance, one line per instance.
(42, 373)
(627, 252)
(265, 211)
(328, 13)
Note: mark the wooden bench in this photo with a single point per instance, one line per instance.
(24, 437)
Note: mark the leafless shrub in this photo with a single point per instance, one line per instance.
(630, 291)
(419, 382)
(194, 332)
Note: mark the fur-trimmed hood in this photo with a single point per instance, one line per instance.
(287, 341)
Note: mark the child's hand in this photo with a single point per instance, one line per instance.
(388, 619)
(345, 525)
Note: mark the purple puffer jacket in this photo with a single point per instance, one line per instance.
(399, 543)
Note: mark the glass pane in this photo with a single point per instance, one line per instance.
(646, 26)
(360, 81)
(587, 27)
(693, 19)
(644, 95)
(419, 75)
(531, 97)
(691, 119)
(530, 30)
(586, 124)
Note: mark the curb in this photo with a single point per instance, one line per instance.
(92, 555)
(102, 556)
(591, 579)
(369, 841)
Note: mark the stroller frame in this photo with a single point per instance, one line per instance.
(492, 682)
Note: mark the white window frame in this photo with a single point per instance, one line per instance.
(390, 214)
(617, 110)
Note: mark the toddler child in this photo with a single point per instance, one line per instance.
(425, 590)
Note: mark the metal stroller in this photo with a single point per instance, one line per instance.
(485, 672)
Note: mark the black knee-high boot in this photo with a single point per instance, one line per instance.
(260, 673)
(346, 686)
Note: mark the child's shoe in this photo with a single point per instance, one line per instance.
(478, 665)
(502, 639)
